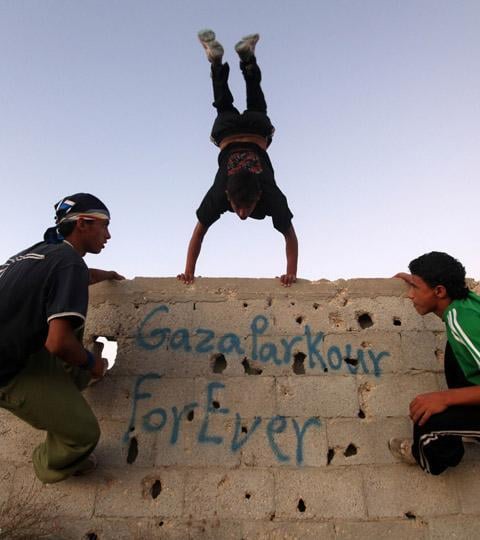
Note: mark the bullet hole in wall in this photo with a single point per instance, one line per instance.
(269, 301)
(245, 305)
(397, 321)
(365, 344)
(351, 361)
(330, 455)
(299, 319)
(160, 523)
(292, 303)
(216, 404)
(410, 515)
(315, 305)
(156, 489)
(91, 536)
(190, 415)
(298, 366)
(219, 363)
(364, 320)
(244, 429)
(301, 506)
(132, 453)
(361, 414)
(247, 495)
(250, 370)
(194, 308)
(351, 450)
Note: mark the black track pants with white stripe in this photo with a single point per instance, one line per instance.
(438, 444)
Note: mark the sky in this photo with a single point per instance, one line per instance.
(375, 103)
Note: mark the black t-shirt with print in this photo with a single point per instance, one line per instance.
(272, 202)
(43, 282)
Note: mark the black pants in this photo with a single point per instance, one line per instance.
(438, 444)
(229, 121)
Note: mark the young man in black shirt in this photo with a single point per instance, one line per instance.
(43, 365)
(245, 182)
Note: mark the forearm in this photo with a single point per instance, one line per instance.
(291, 249)
(61, 342)
(97, 275)
(194, 248)
(469, 395)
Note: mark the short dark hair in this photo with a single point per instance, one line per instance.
(243, 188)
(437, 268)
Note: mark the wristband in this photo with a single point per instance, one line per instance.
(90, 361)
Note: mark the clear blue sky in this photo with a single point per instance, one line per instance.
(375, 102)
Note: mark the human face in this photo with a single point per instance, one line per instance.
(96, 234)
(244, 211)
(425, 299)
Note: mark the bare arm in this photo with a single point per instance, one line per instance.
(193, 252)
(291, 249)
(61, 342)
(97, 275)
(425, 405)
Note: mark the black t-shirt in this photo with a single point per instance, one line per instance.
(272, 202)
(41, 283)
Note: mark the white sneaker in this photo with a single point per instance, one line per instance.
(402, 450)
(246, 47)
(212, 47)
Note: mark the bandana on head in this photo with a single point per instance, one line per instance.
(72, 208)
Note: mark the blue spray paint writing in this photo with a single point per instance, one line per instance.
(156, 419)
(367, 360)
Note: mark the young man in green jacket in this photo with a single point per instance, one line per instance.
(443, 420)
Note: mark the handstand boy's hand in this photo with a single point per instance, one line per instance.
(287, 279)
(187, 278)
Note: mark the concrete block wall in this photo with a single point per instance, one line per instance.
(238, 409)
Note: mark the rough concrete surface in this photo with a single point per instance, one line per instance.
(238, 409)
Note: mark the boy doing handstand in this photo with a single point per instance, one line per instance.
(245, 182)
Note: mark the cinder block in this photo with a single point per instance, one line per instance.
(467, 483)
(118, 398)
(187, 445)
(359, 442)
(322, 397)
(390, 395)
(390, 314)
(374, 287)
(287, 355)
(375, 354)
(454, 527)
(286, 530)
(397, 530)
(123, 529)
(233, 316)
(291, 442)
(18, 439)
(72, 498)
(133, 360)
(319, 494)
(118, 444)
(135, 492)
(229, 494)
(406, 491)
(290, 316)
(216, 529)
(247, 396)
(419, 351)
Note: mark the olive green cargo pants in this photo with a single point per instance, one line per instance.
(47, 395)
